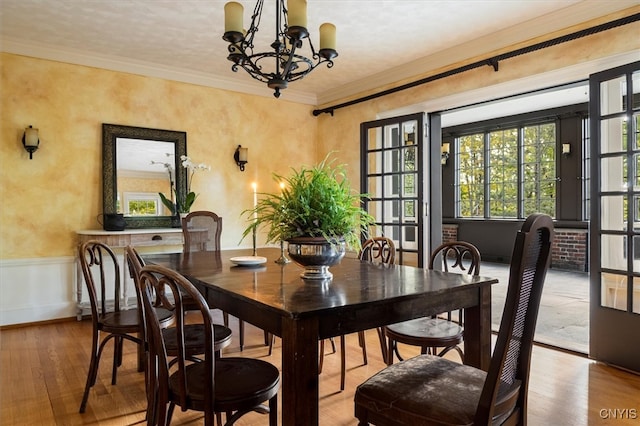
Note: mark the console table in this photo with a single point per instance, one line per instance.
(150, 240)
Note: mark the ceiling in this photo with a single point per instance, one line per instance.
(378, 42)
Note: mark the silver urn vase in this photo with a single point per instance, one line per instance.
(316, 255)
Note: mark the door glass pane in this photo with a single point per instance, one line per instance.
(391, 211)
(612, 94)
(636, 179)
(392, 186)
(636, 130)
(635, 82)
(614, 291)
(613, 134)
(409, 188)
(374, 208)
(392, 136)
(636, 253)
(374, 138)
(410, 237)
(374, 162)
(409, 210)
(613, 173)
(374, 188)
(393, 232)
(613, 213)
(613, 252)
(409, 132)
(410, 159)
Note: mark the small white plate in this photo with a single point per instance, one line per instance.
(248, 260)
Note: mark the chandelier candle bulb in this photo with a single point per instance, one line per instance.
(233, 17)
(327, 36)
(297, 10)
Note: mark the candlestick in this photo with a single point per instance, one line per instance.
(255, 216)
(282, 260)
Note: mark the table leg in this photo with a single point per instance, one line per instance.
(477, 331)
(300, 394)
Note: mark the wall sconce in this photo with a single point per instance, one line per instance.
(566, 149)
(444, 154)
(30, 140)
(241, 156)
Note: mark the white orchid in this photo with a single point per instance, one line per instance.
(182, 206)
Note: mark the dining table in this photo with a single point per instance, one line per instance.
(360, 296)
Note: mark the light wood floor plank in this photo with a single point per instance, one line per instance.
(43, 370)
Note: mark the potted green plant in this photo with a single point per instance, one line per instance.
(317, 213)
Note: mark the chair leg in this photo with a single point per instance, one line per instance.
(272, 338)
(241, 327)
(117, 358)
(363, 345)
(321, 356)
(383, 346)
(343, 361)
(267, 338)
(273, 411)
(390, 348)
(93, 370)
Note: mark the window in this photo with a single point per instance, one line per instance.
(507, 173)
(142, 204)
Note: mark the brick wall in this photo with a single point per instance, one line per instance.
(449, 233)
(569, 250)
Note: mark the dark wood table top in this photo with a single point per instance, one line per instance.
(355, 284)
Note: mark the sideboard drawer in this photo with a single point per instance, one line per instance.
(155, 239)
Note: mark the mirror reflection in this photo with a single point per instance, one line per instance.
(137, 164)
(144, 168)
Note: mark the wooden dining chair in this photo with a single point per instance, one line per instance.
(101, 272)
(193, 333)
(375, 249)
(234, 386)
(439, 331)
(201, 231)
(429, 389)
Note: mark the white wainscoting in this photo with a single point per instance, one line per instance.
(33, 290)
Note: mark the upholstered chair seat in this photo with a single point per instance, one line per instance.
(426, 390)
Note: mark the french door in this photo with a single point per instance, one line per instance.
(615, 216)
(394, 175)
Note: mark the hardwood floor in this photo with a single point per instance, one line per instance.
(43, 371)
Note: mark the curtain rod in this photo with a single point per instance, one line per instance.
(492, 61)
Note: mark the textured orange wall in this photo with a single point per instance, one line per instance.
(45, 200)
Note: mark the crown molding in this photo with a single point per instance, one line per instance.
(147, 69)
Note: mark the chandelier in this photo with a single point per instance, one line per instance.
(290, 31)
